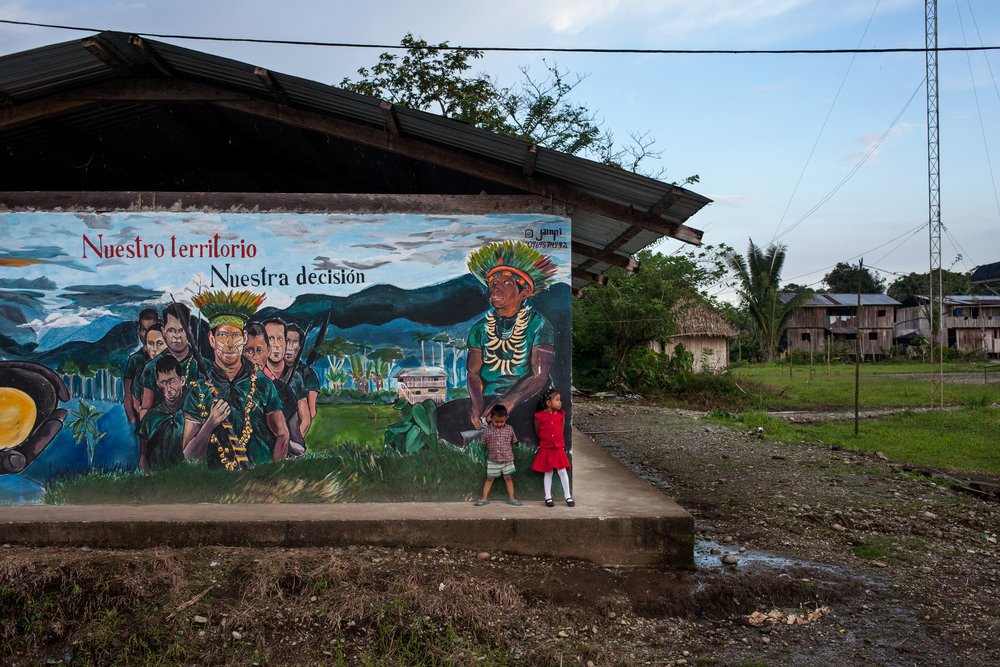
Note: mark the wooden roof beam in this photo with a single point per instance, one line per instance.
(272, 85)
(391, 118)
(103, 52)
(150, 55)
(668, 200)
(529, 160)
(605, 256)
(580, 274)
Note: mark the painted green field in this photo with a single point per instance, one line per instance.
(360, 424)
(898, 384)
(346, 462)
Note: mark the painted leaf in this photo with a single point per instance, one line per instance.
(413, 441)
(421, 418)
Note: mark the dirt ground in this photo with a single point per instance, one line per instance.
(846, 560)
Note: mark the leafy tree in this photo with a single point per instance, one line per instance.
(614, 323)
(759, 274)
(537, 110)
(906, 289)
(843, 279)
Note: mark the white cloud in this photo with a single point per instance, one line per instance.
(872, 142)
(65, 318)
(674, 17)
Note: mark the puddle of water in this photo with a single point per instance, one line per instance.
(705, 559)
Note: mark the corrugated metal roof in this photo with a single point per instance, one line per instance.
(50, 70)
(832, 300)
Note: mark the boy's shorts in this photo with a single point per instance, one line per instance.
(495, 470)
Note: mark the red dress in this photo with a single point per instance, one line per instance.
(551, 445)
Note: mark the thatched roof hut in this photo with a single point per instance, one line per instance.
(704, 332)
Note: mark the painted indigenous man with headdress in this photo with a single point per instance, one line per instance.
(510, 350)
(232, 418)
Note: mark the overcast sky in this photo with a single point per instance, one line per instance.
(747, 125)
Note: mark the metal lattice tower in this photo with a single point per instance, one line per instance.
(935, 302)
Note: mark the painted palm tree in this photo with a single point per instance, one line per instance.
(360, 370)
(759, 275)
(441, 339)
(382, 370)
(422, 337)
(458, 348)
(84, 428)
(335, 373)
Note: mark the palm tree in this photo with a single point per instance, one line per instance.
(759, 274)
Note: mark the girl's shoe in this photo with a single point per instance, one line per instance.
(549, 503)
(570, 502)
(515, 502)
(480, 502)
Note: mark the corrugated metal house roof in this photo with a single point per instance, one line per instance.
(831, 300)
(83, 82)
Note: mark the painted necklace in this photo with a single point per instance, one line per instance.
(505, 350)
(235, 453)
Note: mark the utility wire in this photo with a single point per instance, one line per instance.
(979, 110)
(520, 49)
(826, 120)
(910, 232)
(850, 174)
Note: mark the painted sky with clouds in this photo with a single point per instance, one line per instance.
(405, 250)
(825, 153)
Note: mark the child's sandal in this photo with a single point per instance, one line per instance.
(480, 502)
(549, 502)
(570, 502)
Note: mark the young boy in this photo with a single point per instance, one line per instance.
(499, 439)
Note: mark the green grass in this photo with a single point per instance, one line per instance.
(361, 424)
(961, 440)
(880, 386)
(347, 474)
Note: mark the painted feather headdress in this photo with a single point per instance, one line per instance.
(232, 307)
(533, 269)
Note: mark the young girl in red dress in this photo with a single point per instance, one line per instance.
(549, 421)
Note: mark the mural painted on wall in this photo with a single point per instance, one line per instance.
(206, 357)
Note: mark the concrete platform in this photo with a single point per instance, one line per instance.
(619, 519)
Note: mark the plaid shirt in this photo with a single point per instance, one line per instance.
(499, 443)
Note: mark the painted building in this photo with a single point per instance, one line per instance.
(325, 235)
(419, 384)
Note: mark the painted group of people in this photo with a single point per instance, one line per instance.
(252, 402)
(255, 401)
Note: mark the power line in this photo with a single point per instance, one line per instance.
(826, 120)
(518, 49)
(979, 110)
